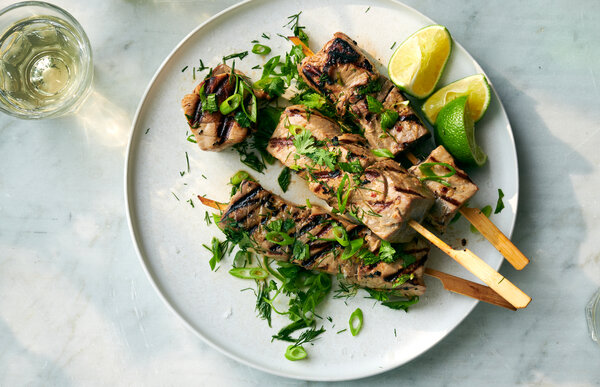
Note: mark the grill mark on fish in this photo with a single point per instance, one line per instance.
(324, 230)
(408, 191)
(325, 175)
(224, 129)
(244, 201)
(371, 174)
(281, 141)
(409, 118)
(312, 73)
(314, 257)
(312, 223)
(340, 52)
(449, 200)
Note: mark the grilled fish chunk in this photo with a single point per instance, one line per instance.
(342, 73)
(388, 198)
(253, 209)
(381, 193)
(407, 130)
(448, 199)
(338, 71)
(214, 131)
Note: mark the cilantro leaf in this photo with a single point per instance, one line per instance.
(386, 252)
(304, 142)
(374, 105)
(242, 119)
(500, 203)
(284, 178)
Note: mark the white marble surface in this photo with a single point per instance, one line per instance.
(77, 309)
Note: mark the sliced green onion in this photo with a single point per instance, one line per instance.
(230, 104)
(340, 235)
(252, 106)
(279, 238)
(383, 153)
(356, 321)
(249, 273)
(295, 352)
(352, 248)
(239, 177)
(261, 49)
(295, 129)
(427, 170)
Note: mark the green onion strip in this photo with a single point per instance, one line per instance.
(356, 321)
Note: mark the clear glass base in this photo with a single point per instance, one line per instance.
(592, 314)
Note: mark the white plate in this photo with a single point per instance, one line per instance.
(169, 234)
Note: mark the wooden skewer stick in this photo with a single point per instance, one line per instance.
(489, 230)
(450, 282)
(469, 288)
(479, 268)
(296, 40)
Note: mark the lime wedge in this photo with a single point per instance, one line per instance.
(454, 130)
(476, 87)
(418, 63)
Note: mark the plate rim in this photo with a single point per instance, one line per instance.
(136, 239)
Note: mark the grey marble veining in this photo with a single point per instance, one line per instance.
(77, 309)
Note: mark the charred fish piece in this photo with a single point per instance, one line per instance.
(381, 194)
(451, 192)
(348, 79)
(310, 241)
(214, 131)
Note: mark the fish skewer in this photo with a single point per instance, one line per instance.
(482, 223)
(398, 200)
(450, 282)
(310, 237)
(474, 215)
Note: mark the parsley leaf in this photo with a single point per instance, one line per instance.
(386, 252)
(374, 105)
(300, 251)
(304, 142)
(284, 179)
(500, 203)
(242, 119)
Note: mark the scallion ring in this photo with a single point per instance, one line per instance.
(295, 352)
(356, 321)
(340, 235)
(352, 248)
(427, 170)
(295, 129)
(249, 273)
(279, 238)
(261, 49)
(230, 104)
(239, 177)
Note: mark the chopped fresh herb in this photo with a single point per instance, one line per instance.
(287, 224)
(352, 249)
(256, 67)
(240, 55)
(386, 252)
(191, 138)
(342, 330)
(147, 130)
(395, 335)
(295, 352)
(340, 235)
(356, 321)
(383, 153)
(239, 176)
(367, 10)
(351, 167)
(388, 119)
(408, 259)
(210, 104)
(202, 67)
(273, 86)
(343, 193)
(427, 170)
(300, 251)
(279, 238)
(296, 28)
(261, 49)
(401, 304)
(373, 86)
(194, 73)
(308, 205)
(187, 161)
(500, 202)
(374, 105)
(284, 178)
(175, 196)
(217, 248)
(242, 119)
(207, 218)
(257, 273)
(393, 45)
(191, 202)
(185, 68)
(263, 306)
(266, 36)
(487, 211)
(254, 41)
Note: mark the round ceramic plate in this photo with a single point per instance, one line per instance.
(165, 173)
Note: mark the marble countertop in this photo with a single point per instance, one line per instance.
(77, 309)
